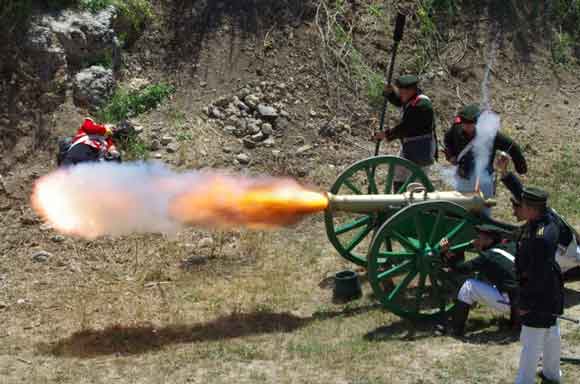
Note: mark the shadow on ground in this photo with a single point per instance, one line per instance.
(137, 339)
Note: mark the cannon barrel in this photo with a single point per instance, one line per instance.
(474, 202)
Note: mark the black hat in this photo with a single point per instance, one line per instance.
(491, 229)
(534, 196)
(407, 81)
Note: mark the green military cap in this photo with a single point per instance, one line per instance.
(470, 112)
(407, 81)
(534, 196)
(492, 229)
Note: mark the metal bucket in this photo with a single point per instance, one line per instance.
(346, 286)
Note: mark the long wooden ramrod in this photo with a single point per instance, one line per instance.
(474, 202)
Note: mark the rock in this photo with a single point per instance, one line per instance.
(313, 113)
(258, 136)
(57, 238)
(45, 227)
(158, 156)
(85, 36)
(276, 152)
(41, 256)
(227, 149)
(165, 140)
(232, 110)
(230, 129)
(267, 129)
(519, 126)
(253, 126)
(233, 120)
(243, 158)
(240, 132)
(172, 148)
(21, 301)
(266, 111)
(249, 143)
(252, 100)
(214, 112)
(302, 172)
(269, 142)
(206, 242)
(154, 145)
(138, 83)
(303, 149)
(3, 305)
(285, 114)
(92, 87)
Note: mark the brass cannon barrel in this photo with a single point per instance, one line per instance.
(474, 202)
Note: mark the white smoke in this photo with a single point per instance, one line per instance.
(486, 130)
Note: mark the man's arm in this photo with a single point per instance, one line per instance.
(392, 96)
(513, 184)
(504, 143)
(417, 117)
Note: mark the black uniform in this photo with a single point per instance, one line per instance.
(416, 129)
(456, 141)
(539, 275)
(493, 267)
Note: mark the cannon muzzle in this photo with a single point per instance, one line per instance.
(474, 202)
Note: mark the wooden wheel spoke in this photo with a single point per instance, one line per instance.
(404, 241)
(461, 246)
(395, 271)
(352, 225)
(409, 180)
(358, 238)
(370, 171)
(352, 187)
(419, 229)
(390, 177)
(396, 255)
(435, 228)
(420, 290)
(403, 284)
(451, 234)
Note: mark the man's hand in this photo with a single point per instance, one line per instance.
(389, 89)
(109, 130)
(502, 162)
(444, 245)
(378, 136)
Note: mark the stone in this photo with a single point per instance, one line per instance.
(253, 126)
(158, 156)
(93, 87)
(165, 140)
(206, 242)
(230, 129)
(214, 112)
(269, 142)
(267, 129)
(303, 149)
(154, 145)
(45, 227)
(519, 126)
(57, 238)
(172, 148)
(138, 83)
(243, 158)
(266, 111)
(258, 136)
(41, 256)
(227, 149)
(285, 114)
(313, 113)
(248, 143)
(252, 100)
(276, 152)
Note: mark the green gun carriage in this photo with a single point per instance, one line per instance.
(395, 234)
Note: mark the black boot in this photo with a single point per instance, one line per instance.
(459, 318)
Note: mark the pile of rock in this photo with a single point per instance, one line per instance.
(254, 115)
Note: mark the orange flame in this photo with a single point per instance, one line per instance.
(96, 200)
(260, 204)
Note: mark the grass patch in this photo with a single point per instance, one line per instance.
(137, 12)
(125, 104)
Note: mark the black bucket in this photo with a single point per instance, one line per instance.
(346, 286)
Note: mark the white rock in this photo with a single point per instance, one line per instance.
(165, 140)
(267, 129)
(243, 158)
(41, 256)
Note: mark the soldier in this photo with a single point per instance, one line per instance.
(497, 289)
(416, 129)
(568, 253)
(541, 296)
(459, 142)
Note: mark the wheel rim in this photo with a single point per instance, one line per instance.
(405, 251)
(351, 233)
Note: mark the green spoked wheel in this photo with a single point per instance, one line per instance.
(351, 233)
(405, 254)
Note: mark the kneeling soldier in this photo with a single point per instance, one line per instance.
(496, 284)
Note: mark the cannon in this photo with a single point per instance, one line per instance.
(395, 234)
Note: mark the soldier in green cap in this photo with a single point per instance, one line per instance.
(568, 253)
(541, 290)
(496, 284)
(459, 151)
(416, 131)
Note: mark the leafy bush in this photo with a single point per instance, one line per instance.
(125, 104)
(137, 12)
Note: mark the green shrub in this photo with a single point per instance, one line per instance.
(136, 12)
(125, 104)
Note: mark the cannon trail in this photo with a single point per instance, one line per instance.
(93, 200)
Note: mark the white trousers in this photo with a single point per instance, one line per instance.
(474, 290)
(536, 341)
